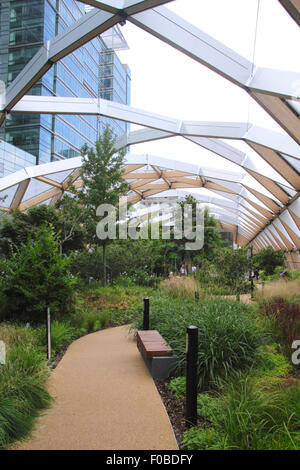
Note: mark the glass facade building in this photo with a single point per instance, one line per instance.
(93, 70)
(13, 159)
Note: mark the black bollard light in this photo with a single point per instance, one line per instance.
(196, 295)
(146, 313)
(191, 376)
(252, 289)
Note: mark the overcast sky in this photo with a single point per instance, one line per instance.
(167, 82)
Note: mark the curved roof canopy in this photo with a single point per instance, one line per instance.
(260, 205)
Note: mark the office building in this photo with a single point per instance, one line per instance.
(93, 70)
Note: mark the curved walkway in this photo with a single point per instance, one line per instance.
(105, 399)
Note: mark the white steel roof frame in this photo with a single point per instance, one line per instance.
(270, 88)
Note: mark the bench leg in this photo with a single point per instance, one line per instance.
(160, 367)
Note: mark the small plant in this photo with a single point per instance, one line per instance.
(202, 439)
(177, 386)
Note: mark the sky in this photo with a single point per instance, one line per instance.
(167, 82)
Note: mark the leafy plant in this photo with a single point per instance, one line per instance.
(177, 386)
(268, 259)
(35, 277)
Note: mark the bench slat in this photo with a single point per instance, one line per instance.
(153, 344)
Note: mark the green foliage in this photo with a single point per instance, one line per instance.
(286, 320)
(209, 407)
(229, 333)
(202, 439)
(294, 275)
(22, 386)
(62, 334)
(233, 266)
(270, 367)
(34, 277)
(177, 386)
(225, 273)
(103, 183)
(247, 417)
(15, 228)
(139, 278)
(268, 259)
(174, 250)
(128, 262)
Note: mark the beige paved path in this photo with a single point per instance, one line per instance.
(105, 399)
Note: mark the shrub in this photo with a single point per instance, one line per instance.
(138, 278)
(286, 318)
(34, 277)
(229, 333)
(62, 334)
(268, 259)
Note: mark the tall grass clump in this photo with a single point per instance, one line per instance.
(280, 302)
(248, 417)
(287, 290)
(22, 389)
(229, 333)
(181, 287)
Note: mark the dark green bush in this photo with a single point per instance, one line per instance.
(34, 277)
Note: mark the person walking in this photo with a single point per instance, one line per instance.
(183, 270)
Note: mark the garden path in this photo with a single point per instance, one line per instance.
(105, 399)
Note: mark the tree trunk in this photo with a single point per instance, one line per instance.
(104, 263)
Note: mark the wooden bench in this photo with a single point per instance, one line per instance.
(157, 354)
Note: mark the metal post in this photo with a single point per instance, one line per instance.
(146, 314)
(196, 295)
(252, 289)
(191, 376)
(48, 334)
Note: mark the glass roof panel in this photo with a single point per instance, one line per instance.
(35, 188)
(8, 194)
(59, 177)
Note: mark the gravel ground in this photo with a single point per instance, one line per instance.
(175, 408)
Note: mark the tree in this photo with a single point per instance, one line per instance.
(103, 183)
(268, 259)
(36, 276)
(211, 242)
(71, 229)
(234, 265)
(64, 218)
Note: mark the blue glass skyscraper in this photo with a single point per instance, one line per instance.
(94, 71)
